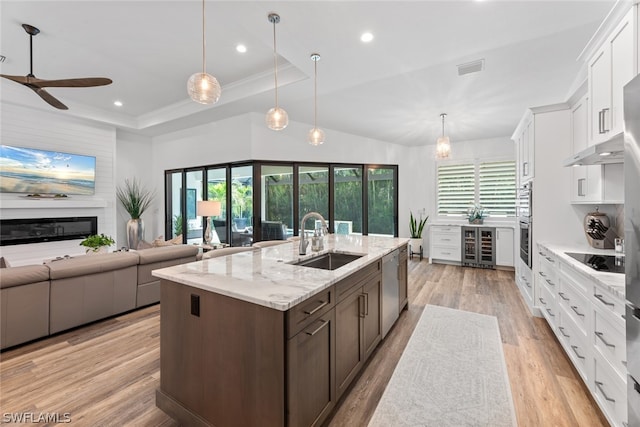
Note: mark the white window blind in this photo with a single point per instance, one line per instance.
(491, 184)
(497, 188)
(456, 189)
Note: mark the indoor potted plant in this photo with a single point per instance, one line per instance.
(416, 227)
(97, 243)
(476, 214)
(135, 199)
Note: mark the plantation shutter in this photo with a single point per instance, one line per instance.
(497, 188)
(456, 189)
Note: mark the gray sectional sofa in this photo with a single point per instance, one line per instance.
(38, 300)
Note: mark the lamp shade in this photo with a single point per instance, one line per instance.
(204, 88)
(277, 118)
(316, 136)
(443, 147)
(208, 208)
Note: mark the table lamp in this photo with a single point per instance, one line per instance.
(207, 209)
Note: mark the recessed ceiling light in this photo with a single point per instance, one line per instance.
(241, 48)
(366, 37)
(117, 103)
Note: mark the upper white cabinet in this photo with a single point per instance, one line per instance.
(610, 68)
(525, 146)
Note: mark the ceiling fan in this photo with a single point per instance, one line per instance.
(38, 85)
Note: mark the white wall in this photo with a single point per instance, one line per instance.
(56, 131)
(134, 157)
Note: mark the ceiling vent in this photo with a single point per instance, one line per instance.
(471, 67)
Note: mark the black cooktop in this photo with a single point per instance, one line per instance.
(602, 263)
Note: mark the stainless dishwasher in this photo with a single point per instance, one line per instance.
(390, 290)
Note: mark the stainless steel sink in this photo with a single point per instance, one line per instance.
(329, 261)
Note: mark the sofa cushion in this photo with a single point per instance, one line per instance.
(16, 276)
(164, 253)
(92, 264)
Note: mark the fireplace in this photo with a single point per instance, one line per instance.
(36, 230)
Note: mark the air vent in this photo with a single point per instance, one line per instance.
(471, 67)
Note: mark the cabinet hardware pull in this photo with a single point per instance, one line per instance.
(604, 121)
(366, 304)
(601, 336)
(550, 282)
(602, 300)
(563, 297)
(526, 282)
(542, 301)
(607, 398)
(542, 274)
(549, 259)
(562, 332)
(541, 253)
(581, 187)
(525, 168)
(600, 122)
(315, 310)
(312, 333)
(575, 350)
(636, 387)
(360, 305)
(550, 313)
(575, 309)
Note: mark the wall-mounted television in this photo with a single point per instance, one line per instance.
(33, 171)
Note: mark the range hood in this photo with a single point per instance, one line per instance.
(611, 151)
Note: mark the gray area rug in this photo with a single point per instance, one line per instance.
(452, 373)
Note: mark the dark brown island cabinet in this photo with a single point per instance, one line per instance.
(227, 362)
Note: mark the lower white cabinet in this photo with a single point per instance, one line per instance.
(505, 248)
(587, 320)
(445, 243)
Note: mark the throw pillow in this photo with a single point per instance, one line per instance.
(4, 263)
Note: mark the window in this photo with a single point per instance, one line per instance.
(491, 184)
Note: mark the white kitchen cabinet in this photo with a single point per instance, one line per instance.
(445, 243)
(610, 68)
(586, 181)
(587, 320)
(504, 247)
(525, 149)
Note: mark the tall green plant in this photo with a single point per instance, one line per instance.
(134, 197)
(416, 226)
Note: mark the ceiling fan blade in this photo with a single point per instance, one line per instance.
(49, 99)
(17, 79)
(82, 82)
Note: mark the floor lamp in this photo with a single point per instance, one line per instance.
(207, 209)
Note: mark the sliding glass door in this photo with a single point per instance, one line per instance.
(242, 205)
(382, 204)
(276, 207)
(217, 190)
(313, 191)
(347, 200)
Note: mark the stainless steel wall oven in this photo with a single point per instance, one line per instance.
(525, 219)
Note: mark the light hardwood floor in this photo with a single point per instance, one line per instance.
(106, 374)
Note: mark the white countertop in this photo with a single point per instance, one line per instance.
(486, 223)
(614, 282)
(267, 277)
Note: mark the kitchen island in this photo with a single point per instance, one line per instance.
(252, 339)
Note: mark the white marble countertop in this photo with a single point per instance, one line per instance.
(267, 277)
(614, 282)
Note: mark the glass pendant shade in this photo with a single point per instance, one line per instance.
(204, 88)
(443, 147)
(277, 118)
(316, 136)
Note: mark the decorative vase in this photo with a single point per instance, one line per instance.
(415, 244)
(98, 250)
(135, 232)
(476, 221)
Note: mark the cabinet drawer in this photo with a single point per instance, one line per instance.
(357, 280)
(305, 313)
(548, 268)
(604, 299)
(610, 341)
(610, 391)
(446, 239)
(575, 344)
(446, 253)
(404, 253)
(576, 304)
(445, 229)
(548, 305)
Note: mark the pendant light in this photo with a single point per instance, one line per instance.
(277, 118)
(203, 87)
(443, 145)
(316, 135)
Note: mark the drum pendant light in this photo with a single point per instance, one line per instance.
(203, 87)
(443, 145)
(316, 135)
(277, 118)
